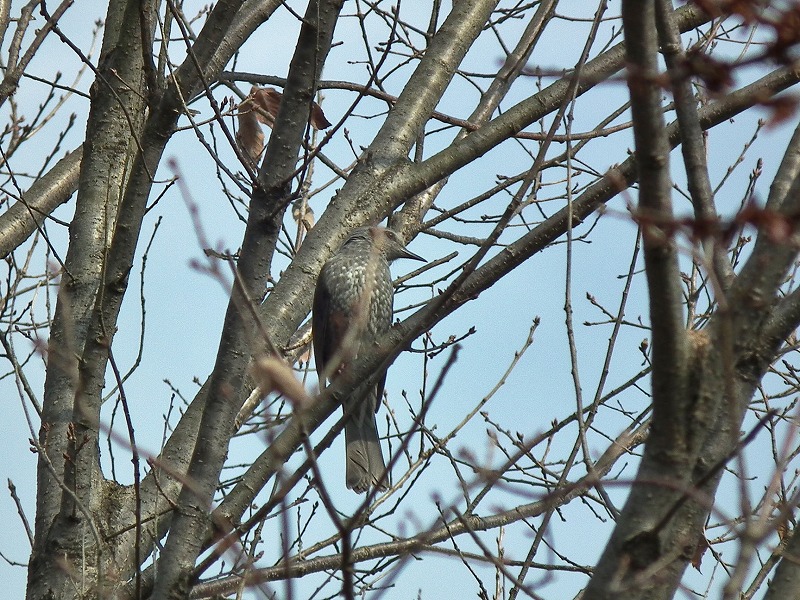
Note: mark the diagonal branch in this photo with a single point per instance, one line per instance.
(46, 194)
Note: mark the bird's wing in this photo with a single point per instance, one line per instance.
(329, 325)
(319, 322)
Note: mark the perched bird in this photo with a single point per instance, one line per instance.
(352, 309)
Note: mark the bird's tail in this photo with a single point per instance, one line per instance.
(365, 467)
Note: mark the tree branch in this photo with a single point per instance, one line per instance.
(46, 194)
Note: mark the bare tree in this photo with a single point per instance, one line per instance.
(497, 129)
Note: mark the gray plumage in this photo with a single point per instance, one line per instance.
(352, 309)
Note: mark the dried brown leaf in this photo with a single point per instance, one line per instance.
(249, 136)
(268, 103)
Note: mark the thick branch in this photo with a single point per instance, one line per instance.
(408, 218)
(785, 582)
(114, 118)
(430, 79)
(46, 194)
(774, 252)
(655, 208)
(693, 147)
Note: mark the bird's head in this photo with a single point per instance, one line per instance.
(391, 244)
(387, 241)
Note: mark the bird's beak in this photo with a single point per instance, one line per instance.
(406, 253)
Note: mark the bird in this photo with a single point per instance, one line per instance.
(352, 308)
